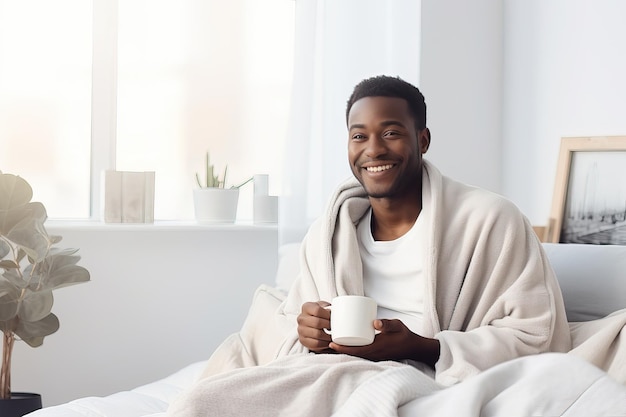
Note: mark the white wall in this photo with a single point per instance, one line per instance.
(505, 80)
(160, 297)
(461, 67)
(564, 75)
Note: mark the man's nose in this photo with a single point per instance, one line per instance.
(375, 147)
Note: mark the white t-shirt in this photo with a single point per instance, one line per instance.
(393, 272)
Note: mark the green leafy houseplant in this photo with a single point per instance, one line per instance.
(31, 267)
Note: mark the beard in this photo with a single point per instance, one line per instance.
(399, 187)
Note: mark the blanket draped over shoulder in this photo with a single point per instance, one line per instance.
(490, 293)
(491, 299)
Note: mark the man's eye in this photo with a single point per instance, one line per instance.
(391, 133)
(358, 136)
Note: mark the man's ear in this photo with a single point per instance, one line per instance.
(423, 140)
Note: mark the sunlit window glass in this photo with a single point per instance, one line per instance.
(45, 100)
(197, 76)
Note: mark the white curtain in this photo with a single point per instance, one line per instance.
(337, 44)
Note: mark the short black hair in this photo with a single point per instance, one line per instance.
(386, 86)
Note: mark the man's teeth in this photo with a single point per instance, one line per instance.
(379, 168)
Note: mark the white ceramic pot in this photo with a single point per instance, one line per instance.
(216, 205)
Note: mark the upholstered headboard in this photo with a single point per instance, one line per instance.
(592, 277)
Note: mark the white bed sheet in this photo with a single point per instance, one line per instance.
(147, 400)
(550, 384)
(541, 385)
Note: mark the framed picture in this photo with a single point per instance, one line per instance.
(589, 202)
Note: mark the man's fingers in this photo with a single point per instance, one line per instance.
(313, 339)
(388, 326)
(316, 309)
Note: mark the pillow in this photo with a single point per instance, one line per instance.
(592, 278)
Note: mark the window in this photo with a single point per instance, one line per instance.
(45, 97)
(171, 80)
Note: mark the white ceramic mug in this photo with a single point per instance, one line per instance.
(352, 320)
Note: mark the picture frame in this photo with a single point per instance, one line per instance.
(589, 201)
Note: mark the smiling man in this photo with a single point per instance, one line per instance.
(459, 276)
(461, 281)
(385, 148)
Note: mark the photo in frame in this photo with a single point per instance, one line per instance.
(589, 202)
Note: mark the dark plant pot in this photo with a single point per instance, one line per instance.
(21, 403)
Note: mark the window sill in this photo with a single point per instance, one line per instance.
(162, 225)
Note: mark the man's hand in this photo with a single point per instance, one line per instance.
(395, 342)
(312, 321)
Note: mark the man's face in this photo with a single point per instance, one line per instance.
(384, 147)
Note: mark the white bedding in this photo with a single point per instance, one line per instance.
(550, 384)
(147, 400)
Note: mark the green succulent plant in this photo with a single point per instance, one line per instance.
(211, 180)
(31, 267)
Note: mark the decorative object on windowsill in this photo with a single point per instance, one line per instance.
(213, 203)
(128, 197)
(265, 206)
(31, 267)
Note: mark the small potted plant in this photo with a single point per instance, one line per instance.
(213, 202)
(31, 267)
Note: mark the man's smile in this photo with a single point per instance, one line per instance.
(379, 168)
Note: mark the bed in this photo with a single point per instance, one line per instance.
(589, 381)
